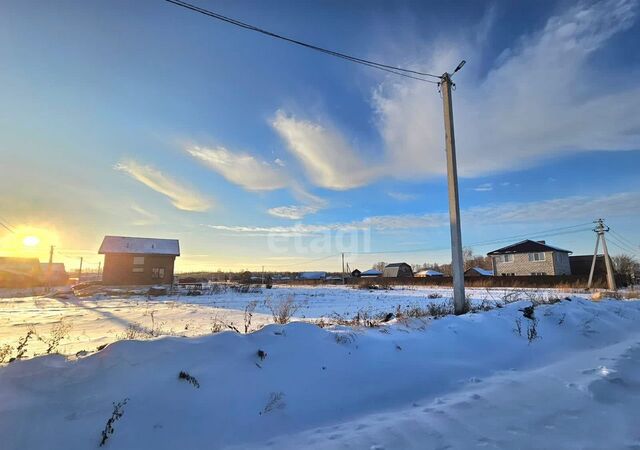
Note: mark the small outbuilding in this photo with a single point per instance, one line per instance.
(371, 273)
(428, 273)
(138, 261)
(356, 273)
(398, 270)
(478, 272)
(54, 273)
(19, 272)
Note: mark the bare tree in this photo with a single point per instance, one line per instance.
(625, 264)
(379, 266)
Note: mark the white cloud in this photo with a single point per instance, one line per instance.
(484, 187)
(180, 196)
(241, 168)
(539, 99)
(402, 196)
(144, 217)
(293, 212)
(575, 208)
(329, 160)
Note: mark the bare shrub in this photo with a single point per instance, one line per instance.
(345, 338)
(518, 328)
(283, 310)
(21, 348)
(118, 411)
(248, 314)
(5, 353)
(532, 330)
(58, 332)
(189, 379)
(434, 295)
(276, 401)
(134, 331)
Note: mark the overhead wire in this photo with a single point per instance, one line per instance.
(408, 73)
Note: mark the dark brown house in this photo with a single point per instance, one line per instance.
(398, 270)
(138, 261)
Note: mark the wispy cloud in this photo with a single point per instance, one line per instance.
(484, 187)
(293, 212)
(242, 169)
(503, 117)
(575, 208)
(328, 158)
(181, 197)
(144, 217)
(402, 196)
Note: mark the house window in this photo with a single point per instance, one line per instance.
(538, 273)
(138, 269)
(539, 256)
(506, 258)
(157, 272)
(508, 274)
(138, 260)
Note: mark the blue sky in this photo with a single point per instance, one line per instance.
(145, 119)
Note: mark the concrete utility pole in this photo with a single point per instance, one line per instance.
(457, 263)
(80, 270)
(343, 278)
(600, 230)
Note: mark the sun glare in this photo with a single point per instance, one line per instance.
(31, 241)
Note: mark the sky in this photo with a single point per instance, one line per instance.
(147, 119)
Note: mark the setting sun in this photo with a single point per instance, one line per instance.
(31, 241)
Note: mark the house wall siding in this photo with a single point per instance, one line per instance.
(522, 266)
(118, 269)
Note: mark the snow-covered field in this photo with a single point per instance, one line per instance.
(570, 378)
(90, 322)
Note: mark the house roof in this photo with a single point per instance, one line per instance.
(19, 266)
(371, 273)
(430, 273)
(137, 245)
(396, 264)
(481, 271)
(527, 246)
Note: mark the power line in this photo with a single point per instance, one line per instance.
(621, 245)
(545, 233)
(385, 67)
(623, 239)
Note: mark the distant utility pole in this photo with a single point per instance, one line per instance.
(600, 230)
(50, 255)
(457, 263)
(343, 278)
(80, 270)
(99, 268)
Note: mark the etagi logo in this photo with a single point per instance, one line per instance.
(314, 243)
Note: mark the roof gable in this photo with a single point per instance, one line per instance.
(527, 246)
(136, 245)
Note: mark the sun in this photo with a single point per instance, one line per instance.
(31, 241)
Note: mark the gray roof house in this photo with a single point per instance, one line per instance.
(398, 270)
(530, 258)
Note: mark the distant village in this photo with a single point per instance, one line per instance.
(138, 261)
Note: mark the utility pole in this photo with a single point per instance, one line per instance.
(343, 278)
(99, 268)
(600, 230)
(51, 255)
(457, 267)
(80, 270)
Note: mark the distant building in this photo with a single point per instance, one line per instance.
(428, 273)
(397, 270)
(54, 274)
(581, 265)
(530, 258)
(19, 272)
(478, 272)
(371, 273)
(312, 275)
(356, 273)
(138, 261)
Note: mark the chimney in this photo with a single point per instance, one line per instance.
(542, 242)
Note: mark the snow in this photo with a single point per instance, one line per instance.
(454, 382)
(148, 246)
